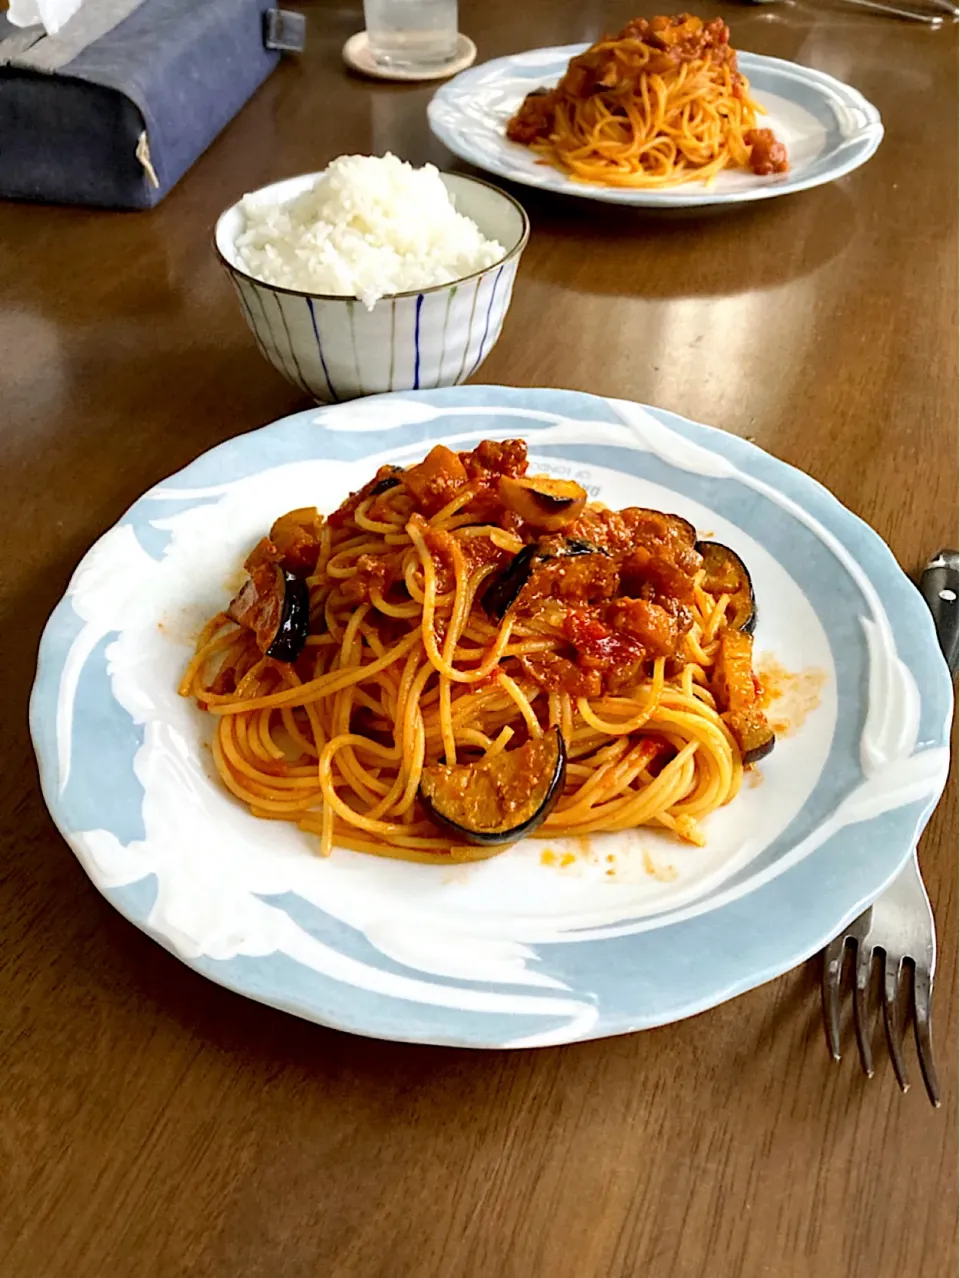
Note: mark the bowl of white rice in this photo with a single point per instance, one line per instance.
(374, 276)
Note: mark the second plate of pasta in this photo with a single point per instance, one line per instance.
(828, 129)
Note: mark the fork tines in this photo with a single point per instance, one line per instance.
(906, 986)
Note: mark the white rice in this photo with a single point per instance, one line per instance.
(368, 227)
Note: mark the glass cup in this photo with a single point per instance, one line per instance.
(408, 34)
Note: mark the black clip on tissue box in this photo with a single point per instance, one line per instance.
(114, 108)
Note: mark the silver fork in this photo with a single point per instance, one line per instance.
(899, 926)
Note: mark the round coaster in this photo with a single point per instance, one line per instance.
(357, 55)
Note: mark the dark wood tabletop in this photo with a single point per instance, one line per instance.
(153, 1124)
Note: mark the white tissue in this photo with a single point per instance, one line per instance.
(50, 14)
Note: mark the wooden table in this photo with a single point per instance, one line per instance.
(152, 1124)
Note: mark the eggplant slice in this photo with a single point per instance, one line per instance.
(738, 699)
(501, 799)
(275, 605)
(504, 588)
(549, 505)
(757, 744)
(294, 621)
(726, 574)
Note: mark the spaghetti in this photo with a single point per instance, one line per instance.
(660, 104)
(459, 612)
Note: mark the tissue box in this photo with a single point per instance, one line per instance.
(114, 108)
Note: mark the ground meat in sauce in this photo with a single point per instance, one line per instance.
(224, 682)
(374, 573)
(622, 531)
(556, 673)
(485, 466)
(619, 609)
(644, 571)
(492, 458)
(646, 622)
(385, 475)
(614, 609)
(475, 552)
(434, 482)
(670, 42)
(767, 155)
(673, 40)
(598, 645)
(534, 119)
(573, 579)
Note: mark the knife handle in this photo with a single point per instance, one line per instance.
(940, 586)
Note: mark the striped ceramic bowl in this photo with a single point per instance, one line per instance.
(334, 348)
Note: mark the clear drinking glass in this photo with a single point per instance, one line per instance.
(411, 33)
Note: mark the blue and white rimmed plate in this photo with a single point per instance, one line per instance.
(828, 127)
(525, 948)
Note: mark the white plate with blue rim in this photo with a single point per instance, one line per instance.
(527, 948)
(828, 127)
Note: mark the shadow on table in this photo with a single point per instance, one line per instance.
(616, 251)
